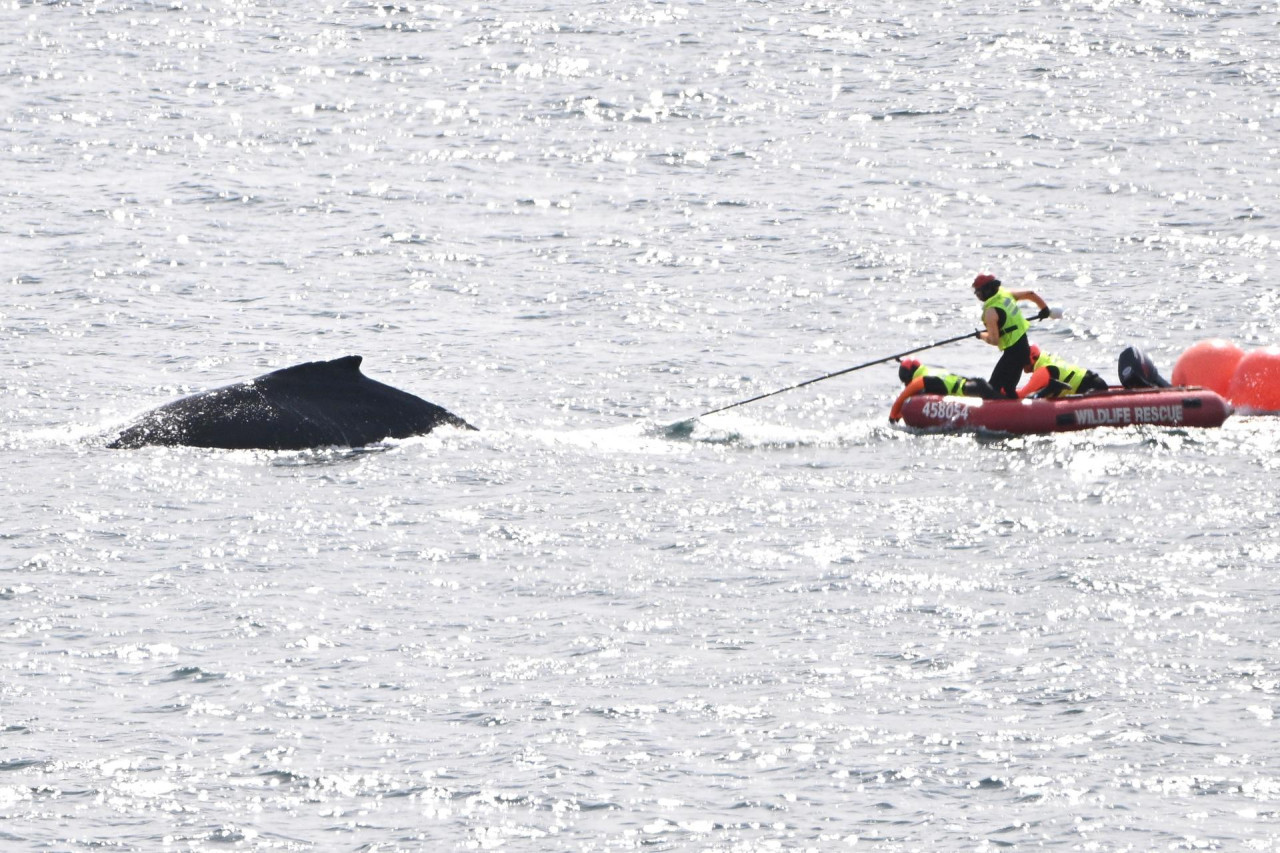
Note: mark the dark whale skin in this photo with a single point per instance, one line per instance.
(317, 404)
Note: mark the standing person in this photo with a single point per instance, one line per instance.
(1054, 377)
(921, 379)
(1006, 328)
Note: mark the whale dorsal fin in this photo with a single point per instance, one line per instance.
(346, 363)
(347, 367)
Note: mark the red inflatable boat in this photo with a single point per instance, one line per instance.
(1169, 407)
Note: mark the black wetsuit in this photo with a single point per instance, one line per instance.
(1008, 370)
(973, 387)
(1092, 383)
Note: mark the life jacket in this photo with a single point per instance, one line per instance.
(953, 382)
(1064, 372)
(1015, 325)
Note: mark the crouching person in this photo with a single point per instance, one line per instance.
(1053, 377)
(920, 379)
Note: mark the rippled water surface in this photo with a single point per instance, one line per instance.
(792, 627)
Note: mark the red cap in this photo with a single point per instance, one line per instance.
(907, 369)
(984, 279)
(1035, 354)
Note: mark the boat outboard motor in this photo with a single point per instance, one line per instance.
(1137, 371)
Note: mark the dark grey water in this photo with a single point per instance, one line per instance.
(574, 224)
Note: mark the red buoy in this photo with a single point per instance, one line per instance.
(1210, 364)
(1256, 383)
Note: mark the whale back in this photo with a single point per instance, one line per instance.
(317, 404)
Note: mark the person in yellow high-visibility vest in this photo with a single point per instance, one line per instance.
(1006, 328)
(926, 380)
(1053, 377)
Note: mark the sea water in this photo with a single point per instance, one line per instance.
(789, 626)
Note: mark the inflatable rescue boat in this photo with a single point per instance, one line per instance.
(1118, 407)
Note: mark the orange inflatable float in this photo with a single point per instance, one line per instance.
(1255, 386)
(1210, 364)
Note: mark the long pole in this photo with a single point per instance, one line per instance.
(835, 373)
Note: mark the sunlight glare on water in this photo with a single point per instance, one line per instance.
(603, 621)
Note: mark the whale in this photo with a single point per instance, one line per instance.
(307, 406)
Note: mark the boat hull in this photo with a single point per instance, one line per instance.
(1119, 407)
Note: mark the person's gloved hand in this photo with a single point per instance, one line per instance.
(1044, 313)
